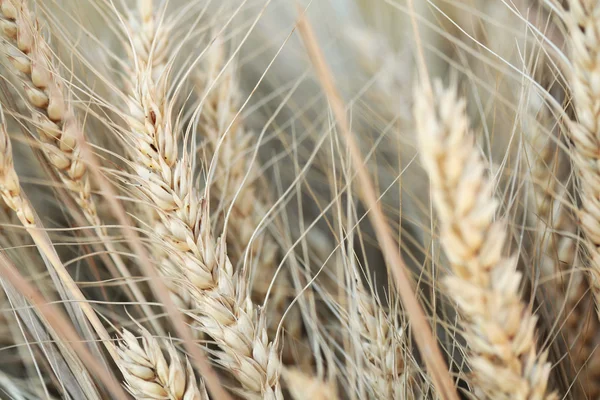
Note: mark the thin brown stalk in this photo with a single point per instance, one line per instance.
(424, 337)
(499, 328)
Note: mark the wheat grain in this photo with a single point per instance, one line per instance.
(499, 328)
(148, 375)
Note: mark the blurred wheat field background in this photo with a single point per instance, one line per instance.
(267, 199)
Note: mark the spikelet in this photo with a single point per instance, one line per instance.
(148, 375)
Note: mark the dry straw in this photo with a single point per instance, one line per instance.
(499, 329)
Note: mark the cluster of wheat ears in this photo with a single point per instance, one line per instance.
(333, 199)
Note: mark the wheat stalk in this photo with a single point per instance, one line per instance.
(499, 328)
(148, 375)
(224, 311)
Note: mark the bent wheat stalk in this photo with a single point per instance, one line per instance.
(499, 328)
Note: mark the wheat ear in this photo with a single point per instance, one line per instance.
(228, 141)
(55, 121)
(52, 113)
(230, 145)
(224, 311)
(380, 345)
(499, 328)
(584, 29)
(567, 287)
(10, 190)
(148, 375)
